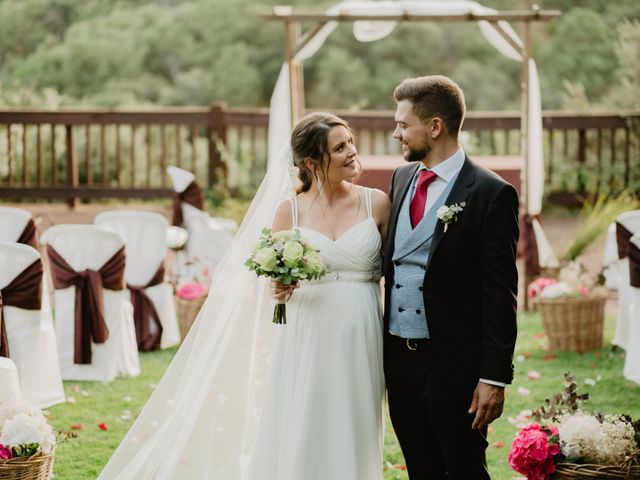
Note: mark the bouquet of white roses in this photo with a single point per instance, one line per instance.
(24, 432)
(285, 257)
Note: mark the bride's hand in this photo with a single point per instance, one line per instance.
(281, 292)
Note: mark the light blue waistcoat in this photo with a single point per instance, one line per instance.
(407, 316)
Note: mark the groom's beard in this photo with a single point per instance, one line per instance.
(417, 155)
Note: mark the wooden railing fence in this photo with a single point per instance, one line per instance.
(70, 154)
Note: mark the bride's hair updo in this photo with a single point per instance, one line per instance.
(309, 139)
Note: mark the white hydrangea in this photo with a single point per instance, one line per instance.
(580, 436)
(619, 440)
(583, 437)
(556, 290)
(9, 410)
(22, 425)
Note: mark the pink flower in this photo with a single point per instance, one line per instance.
(190, 291)
(533, 452)
(584, 291)
(538, 285)
(5, 453)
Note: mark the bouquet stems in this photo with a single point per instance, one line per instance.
(280, 314)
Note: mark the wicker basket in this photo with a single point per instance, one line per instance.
(573, 323)
(571, 471)
(187, 311)
(35, 467)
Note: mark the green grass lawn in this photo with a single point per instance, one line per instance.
(116, 404)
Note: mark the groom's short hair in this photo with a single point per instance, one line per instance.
(434, 96)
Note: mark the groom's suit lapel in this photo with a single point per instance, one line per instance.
(459, 193)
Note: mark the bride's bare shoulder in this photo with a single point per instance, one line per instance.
(282, 218)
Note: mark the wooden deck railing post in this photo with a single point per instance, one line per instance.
(72, 166)
(216, 132)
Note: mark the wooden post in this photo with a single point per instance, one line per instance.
(72, 166)
(216, 132)
(296, 74)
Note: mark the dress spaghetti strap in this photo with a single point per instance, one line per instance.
(367, 196)
(294, 212)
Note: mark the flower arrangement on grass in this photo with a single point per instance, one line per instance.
(197, 285)
(563, 434)
(285, 257)
(24, 432)
(573, 281)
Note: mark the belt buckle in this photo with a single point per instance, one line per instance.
(409, 345)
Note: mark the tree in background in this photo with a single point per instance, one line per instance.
(625, 92)
(196, 52)
(581, 51)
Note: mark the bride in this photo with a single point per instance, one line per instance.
(246, 399)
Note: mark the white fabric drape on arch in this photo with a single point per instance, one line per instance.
(368, 31)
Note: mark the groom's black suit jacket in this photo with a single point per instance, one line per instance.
(471, 281)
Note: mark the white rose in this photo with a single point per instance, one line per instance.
(315, 263)
(266, 258)
(442, 211)
(292, 253)
(283, 236)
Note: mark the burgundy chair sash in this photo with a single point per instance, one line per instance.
(89, 324)
(528, 245)
(24, 291)
(634, 265)
(191, 195)
(622, 238)
(144, 312)
(28, 235)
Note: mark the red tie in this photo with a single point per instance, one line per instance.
(425, 177)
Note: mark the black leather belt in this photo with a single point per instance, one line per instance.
(413, 344)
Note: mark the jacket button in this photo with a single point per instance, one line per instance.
(400, 309)
(396, 263)
(420, 288)
(398, 285)
(418, 312)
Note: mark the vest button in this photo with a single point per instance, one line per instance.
(398, 285)
(418, 312)
(396, 263)
(400, 309)
(420, 288)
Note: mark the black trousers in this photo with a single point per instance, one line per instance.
(430, 415)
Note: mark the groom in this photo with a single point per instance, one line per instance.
(450, 288)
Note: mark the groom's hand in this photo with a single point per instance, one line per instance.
(487, 404)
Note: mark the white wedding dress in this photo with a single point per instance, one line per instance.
(322, 414)
(244, 399)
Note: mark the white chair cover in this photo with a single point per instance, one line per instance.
(209, 237)
(632, 358)
(180, 179)
(145, 235)
(89, 247)
(30, 334)
(631, 221)
(13, 221)
(9, 382)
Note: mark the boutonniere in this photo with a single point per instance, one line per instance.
(449, 214)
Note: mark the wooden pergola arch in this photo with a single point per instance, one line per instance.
(295, 41)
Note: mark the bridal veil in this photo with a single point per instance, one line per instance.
(201, 420)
